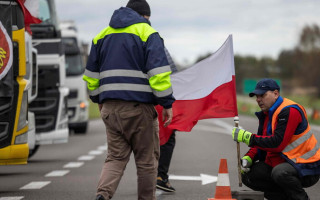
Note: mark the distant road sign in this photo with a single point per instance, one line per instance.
(250, 84)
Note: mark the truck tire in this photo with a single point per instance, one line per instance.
(33, 151)
(81, 129)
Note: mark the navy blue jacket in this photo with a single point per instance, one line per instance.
(127, 61)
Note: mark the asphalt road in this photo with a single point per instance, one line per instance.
(71, 171)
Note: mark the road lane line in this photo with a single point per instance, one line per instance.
(11, 198)
(86, 158)
(159, 192)
(103, 148)
(35, 185)
(57, 173)
(73, 165)
(95, 152)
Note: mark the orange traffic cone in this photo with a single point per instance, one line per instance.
(223, 190)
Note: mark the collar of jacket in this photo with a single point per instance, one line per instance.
(273, 108)
(271, 111)
(124, 17)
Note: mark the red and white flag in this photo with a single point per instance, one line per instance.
(205, 90)
(30, 10)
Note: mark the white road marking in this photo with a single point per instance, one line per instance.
(103, 148)
(95, 152)
(35, 185)
(159, 192)
(11, 198)
(73, 165)
(86, 158)
(204, 178)
(57, 173)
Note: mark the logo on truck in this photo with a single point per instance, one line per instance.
(5, 51)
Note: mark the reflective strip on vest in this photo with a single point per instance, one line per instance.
(121, 86)
(300, 141)
(163, 93)
(122, 72)
(94, 92)
(125, 86)
(297, 142)
(311, 153)
(128, 86)
(91, 74)
(159, 70)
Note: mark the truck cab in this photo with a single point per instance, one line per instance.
(50, 105)
(13, 93)
(32, 88)
(78, 97)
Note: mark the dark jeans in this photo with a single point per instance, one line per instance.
(279, 183)
(166, 152)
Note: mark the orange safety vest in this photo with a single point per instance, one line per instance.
(303, 147)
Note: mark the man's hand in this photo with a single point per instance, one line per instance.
(167, 116)
(246, 162)
(241, 135)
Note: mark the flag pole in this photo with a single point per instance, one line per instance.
(236, 124)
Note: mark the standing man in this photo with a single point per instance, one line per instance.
(166, 150)
(284, 156)
(127, 74)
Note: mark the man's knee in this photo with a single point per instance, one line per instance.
(282, 172)
(279, 175)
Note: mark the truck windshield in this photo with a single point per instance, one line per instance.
(47, 12)
(74, 65)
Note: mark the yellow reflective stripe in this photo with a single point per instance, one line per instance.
(92, 83)
(142, 30)
(160, 82)
(100, 35)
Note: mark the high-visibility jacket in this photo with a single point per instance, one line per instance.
(127, 61)
(303, 150)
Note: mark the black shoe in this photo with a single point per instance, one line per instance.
(100, 197)
(164, 185)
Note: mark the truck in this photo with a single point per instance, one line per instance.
(13, 92)
(50, 105)
(78, 96)
(32, 88)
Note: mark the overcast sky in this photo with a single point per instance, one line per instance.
(193, 28)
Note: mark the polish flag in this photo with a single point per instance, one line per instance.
(205, 90)
(30, 10)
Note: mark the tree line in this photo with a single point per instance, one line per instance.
(297, 68)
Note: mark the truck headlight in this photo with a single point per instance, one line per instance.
(21, 139)
(23, 115)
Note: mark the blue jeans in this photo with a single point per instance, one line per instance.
(279, 183)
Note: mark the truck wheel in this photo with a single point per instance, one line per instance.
(81, 129)
(33, 151)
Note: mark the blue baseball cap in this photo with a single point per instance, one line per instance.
(263, 86)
